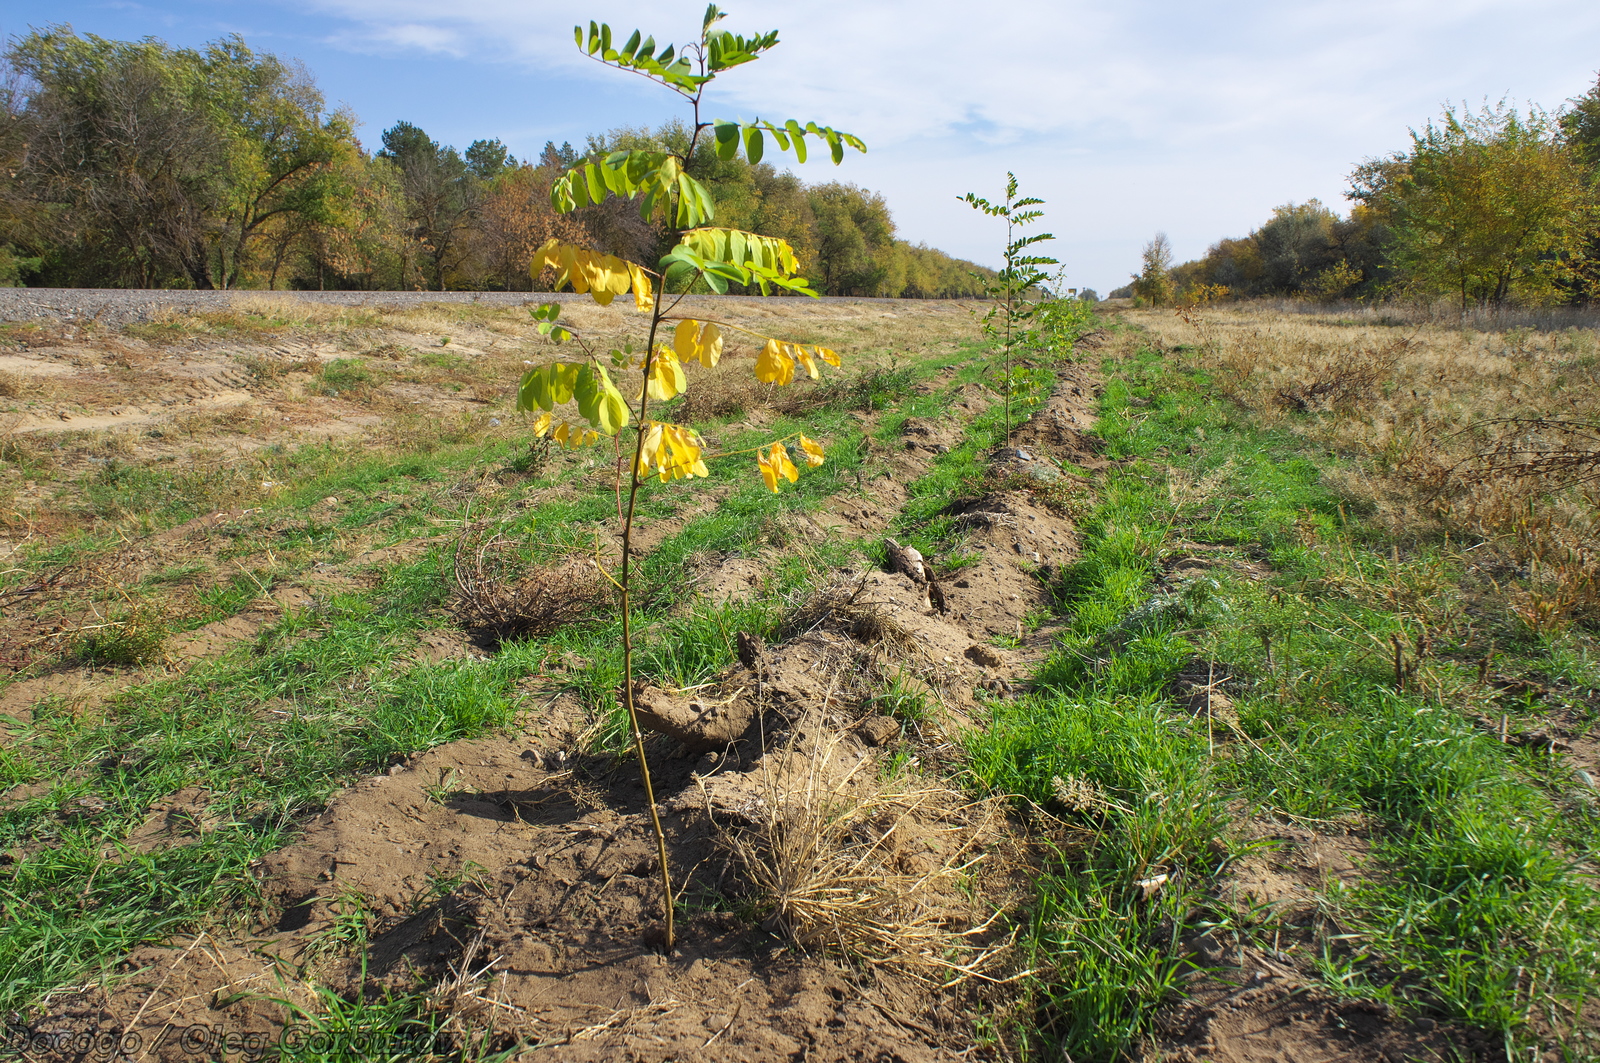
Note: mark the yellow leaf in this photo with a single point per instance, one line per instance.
(571, 272)
(560, 435)
(686, 453)
(803, 356)
(710, 345)
(547, 255)
(673, 451)
(812, 451)
(769, 473)
(666, 375)
(780, 458)
(698, 341)
(828, 356)
(686, 339)
(594, 275)
(773, 364)
(649, 445)
(602, 277)
(774, 462)
(643, 292)
(617, 281)
(541, 424)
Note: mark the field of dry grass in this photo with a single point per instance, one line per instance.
(1490, 436)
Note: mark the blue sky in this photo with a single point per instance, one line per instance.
(1126, 118)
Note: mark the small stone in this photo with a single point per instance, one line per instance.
(494, 422)
(987, 656)
(878, 730)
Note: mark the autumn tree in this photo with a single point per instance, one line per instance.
(364, 244)
(1153, 282)
(854, 228)
(488, 159)
(1486, 206)
(442, 197)
(514, 220)
(142, 161)
(1580, 127)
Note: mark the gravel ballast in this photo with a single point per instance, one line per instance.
(121, 306)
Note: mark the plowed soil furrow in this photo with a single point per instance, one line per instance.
(521, 871)
(513, 874)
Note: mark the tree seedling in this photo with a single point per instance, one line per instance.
(578, 402)
(1008, 318)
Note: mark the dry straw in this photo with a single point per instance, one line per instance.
(503, 600)
(873, 871)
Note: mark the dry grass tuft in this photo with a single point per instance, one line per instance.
(493, 598)
(729, 390)
(1339, 382)
(848, 608)
(872, 871)
(1555, 453)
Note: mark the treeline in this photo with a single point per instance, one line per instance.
(133, 164)
(1488, 208)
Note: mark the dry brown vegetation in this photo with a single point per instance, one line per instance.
(498, 598)
(1485, 436)
(871, 869)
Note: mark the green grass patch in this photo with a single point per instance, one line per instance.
(1478, 904)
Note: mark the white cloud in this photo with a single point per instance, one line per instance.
(1148, 114)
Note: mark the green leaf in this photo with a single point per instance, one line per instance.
(599, 401)
(631, 47)
(727, 134)
(695, 206)
(754, 147)
(799, 136)
(530, 390)
(563, 377)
